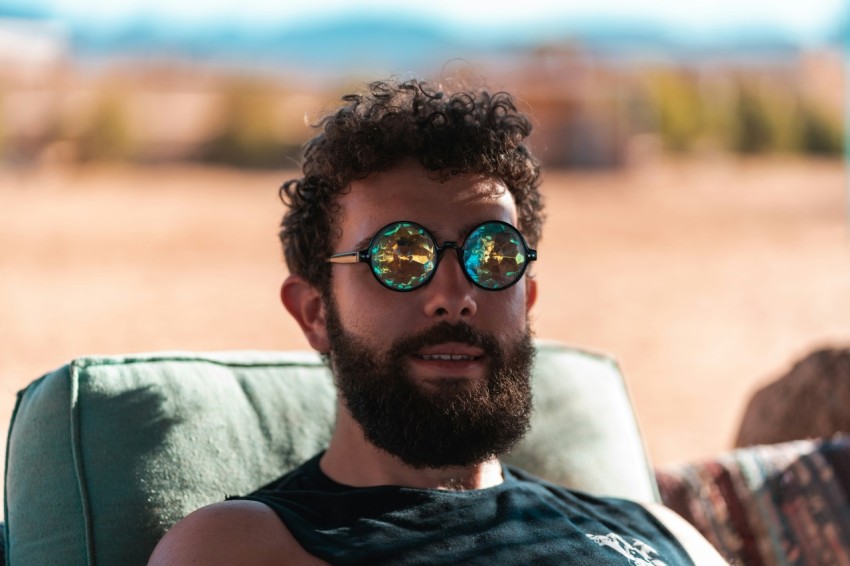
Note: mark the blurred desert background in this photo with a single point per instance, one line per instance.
(697, 201)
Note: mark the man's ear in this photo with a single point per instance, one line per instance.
(530, 292)
(304, 302)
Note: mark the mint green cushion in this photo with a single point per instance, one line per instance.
(106, 453)
(583, 431)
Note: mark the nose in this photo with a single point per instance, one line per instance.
(450, 296)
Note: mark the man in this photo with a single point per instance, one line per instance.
(409, 241)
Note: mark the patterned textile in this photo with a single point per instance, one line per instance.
(785, 503)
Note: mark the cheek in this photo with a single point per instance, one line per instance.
(366, 309)
(505, 310)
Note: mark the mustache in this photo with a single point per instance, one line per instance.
(444, 332)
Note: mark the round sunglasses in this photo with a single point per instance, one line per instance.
(404, 255)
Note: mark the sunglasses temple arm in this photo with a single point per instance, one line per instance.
(346, 257)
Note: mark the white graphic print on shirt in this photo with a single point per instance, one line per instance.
(637, 552)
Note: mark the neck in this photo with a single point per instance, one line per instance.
(352, 460)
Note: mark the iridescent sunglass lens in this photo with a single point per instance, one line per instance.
(403, 256)
(494, 255)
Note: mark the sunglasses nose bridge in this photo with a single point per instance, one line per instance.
(451, 246)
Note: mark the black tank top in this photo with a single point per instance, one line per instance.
(523, 520)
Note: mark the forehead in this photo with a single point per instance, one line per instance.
(409, 192)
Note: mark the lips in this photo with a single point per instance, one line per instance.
(450, 352)
(446, 357)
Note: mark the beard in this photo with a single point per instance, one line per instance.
(461, 423)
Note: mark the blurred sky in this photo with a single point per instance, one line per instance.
(810, 21)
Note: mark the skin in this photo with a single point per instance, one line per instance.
(246, 532)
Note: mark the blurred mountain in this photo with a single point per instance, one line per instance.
(367, 41)
(9, 10)
(335, 44)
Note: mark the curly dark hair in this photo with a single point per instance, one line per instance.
(447, 132)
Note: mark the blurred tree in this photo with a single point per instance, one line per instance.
(106, 135)
(3, 155)
(819, 134)
(752, 131)
(744, 113)
(678, 108)
(249, 133)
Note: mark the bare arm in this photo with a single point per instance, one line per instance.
(700, 550)
(232, 532)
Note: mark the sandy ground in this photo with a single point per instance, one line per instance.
(705, 279)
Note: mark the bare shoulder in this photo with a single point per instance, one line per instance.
(700, 550)
(230, 532)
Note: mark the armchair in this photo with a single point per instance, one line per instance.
(107, 452)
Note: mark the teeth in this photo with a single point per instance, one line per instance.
(447, 357)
